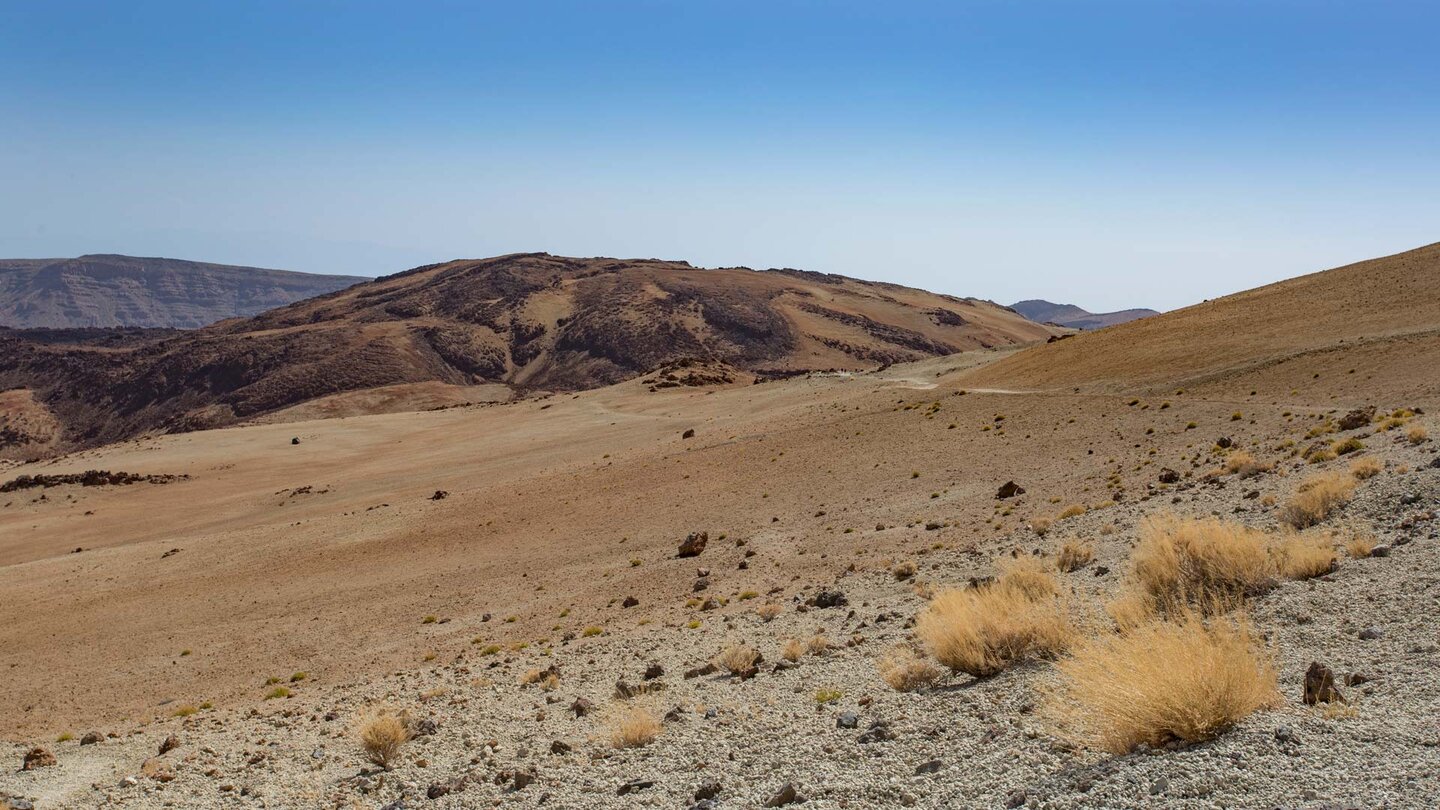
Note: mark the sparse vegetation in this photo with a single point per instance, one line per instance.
(1359, 546)
(792, 650)
(1074, 555)
(1073, 510)
(1347, 446)
(1417, 434)
(1366, 467)
(737, 659)
(382, 733)
(277, 693)
(828, 695)
(905, 671)
(1303, 557)
(634, 728)
(981, 631)
(1187, 562)
(591, 632)
(903, 570)
(817, 645)
(1188, 679)
(768, 611)
(1245, 465)
(1318, 496)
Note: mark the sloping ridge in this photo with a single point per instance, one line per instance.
(532, 321)
(1350, 312)
(1042, 311)
(107, 290)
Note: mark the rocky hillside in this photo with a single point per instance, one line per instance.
(109, 290)
(1042, 311)
(531, 321)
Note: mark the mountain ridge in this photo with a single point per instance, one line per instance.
(1075, 317)
(113, 290)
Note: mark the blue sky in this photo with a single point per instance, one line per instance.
(1112, 154)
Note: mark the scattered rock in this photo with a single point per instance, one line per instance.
(787, 795)
(629, 602)
(439, 495)
(688, 434)
(157, 769)
(1380, 551)
(1168, 476)
(91, 738)
(1009, 490)
(1372, 633)
(653, 671)
(581, 707)
(848, 720)
(879, 731)
(694, 544)
(37, 757)
(1358, 418)
(828, 599)
(560, 747)
(933, 766)
(169, 744)
(709, 790)
(634, 785)
(1320, 685)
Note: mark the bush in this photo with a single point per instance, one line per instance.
(382, 733)
(1416, 435)
(905, 671)
(903, 571)
(1029, 575)
(1359, 546)
(737, 658)
(634, 728)
(981, 631)
(1318, 496)
(1300, 557)
(768, 611)
(1074, 556)
(1367, 467)
(1190, 680)
(1073, 510)
(1243, 464)
(1347, 446)
(1187, 562)
(817, 645)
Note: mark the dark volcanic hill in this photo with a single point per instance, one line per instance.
(108, 290)
(1041, 311)
(531, 321)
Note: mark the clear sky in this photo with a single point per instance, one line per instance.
(1110, 154)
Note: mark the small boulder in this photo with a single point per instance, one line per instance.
(439, 495)
(688, 434)
(694, 544)
(1169, 476)
(169, 744)
(1358, 418)
(629, 602)
(829, 599)
(786, 795)
(1320, 685)
(37, 757)
(92, 738)
(1009, 490)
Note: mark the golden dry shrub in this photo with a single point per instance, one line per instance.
(1074, 555)
(1366, 467)
(737, 658)
(1073, 510)
(1186, 679)
(817, 645)
(903, 570)
(1181, 561)
(1318, 496)
(382, 733)
(768, 611)
(1416, 434)
(1029, 575)
(981, 631)
(1245, 465)
(1299, 556)
(1359, 546)
(792, 649)
(634, 728)
(905, 671)
(1041, 524)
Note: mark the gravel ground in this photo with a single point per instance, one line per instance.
(960, 744)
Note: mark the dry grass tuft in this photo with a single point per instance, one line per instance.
(1186, 562)
(1245, 465)
(1319, 495)
(1189, 679)
(903, 571)
(1416, 434)
(792, 650)
(817, 645)
(737, 658)
(634, 728)
(1367, 467)
(1074, 556)
(905, 671)
(1028, 575)
(1359, 546)
(1041, 525)
(1301, 557)
(981, 631)
(1073, 510)
(768, 611)
(382, 733)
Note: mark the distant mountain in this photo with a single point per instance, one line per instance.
(111, 290)
(528, 321)
(1042, 311)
